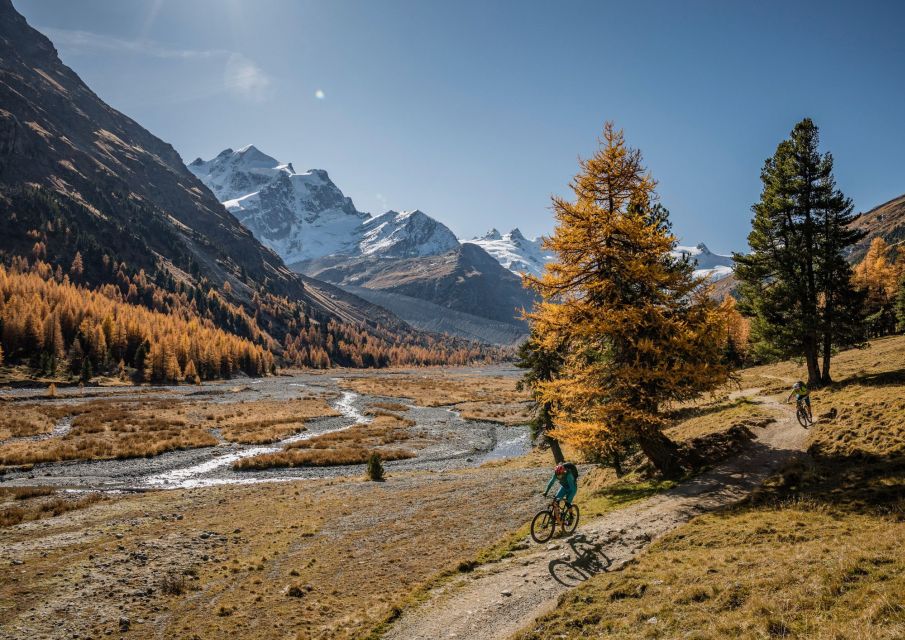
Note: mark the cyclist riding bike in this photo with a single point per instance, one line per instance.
(800, 389)
(567, 475)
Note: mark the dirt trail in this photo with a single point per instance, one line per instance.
(497, 600)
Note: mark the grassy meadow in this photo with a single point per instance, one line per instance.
(816, 553)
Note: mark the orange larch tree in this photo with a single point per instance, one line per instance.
(635, 328)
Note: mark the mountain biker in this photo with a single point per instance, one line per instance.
(800, 389)
(567, 475)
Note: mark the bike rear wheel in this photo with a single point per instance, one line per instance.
(570, 520)
(543, 526)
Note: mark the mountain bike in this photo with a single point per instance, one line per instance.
(543, 526)
(803, 413)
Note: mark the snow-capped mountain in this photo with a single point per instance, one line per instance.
(520, 255)
(305, 216)
(406, 234)
(514, 251)
(709, 264)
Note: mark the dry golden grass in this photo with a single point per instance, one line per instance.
(489, 398)
(332, 457)
(349, 446)
(788, 572)
(507, 413)
(139, 428)
(714, 416)
(390, 406)
(263, 421)
(24, 493)
(112, 429)
(18, 419)
(437, 389)
(37, 503)
(816, 553)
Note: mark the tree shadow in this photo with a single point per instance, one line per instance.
(696, 411)
(858, 482)
(589, 560)
(892, 378)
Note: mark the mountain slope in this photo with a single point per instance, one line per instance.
(467, 280)
(514, 251)
(886, 221)
(81, 182)
(428, 316)
(416, 262)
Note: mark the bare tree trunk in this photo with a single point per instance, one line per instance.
(557, 452)
(662, 452)
(810, 356)
(827, 353)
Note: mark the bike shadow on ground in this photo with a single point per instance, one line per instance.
(589, 560)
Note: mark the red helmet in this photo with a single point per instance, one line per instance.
(560, 469)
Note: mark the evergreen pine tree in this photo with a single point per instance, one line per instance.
(541, 365)
(795, 282)
(86, 373)
(636, 329)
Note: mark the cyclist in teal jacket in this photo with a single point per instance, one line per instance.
(568, 486)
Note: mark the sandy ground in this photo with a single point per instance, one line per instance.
(497, 600)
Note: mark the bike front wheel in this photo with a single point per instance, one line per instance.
(803, 418)
(543, 526)
(570, 520)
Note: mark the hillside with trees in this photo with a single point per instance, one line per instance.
(92, 196)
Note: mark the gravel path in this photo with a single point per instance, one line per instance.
(497, 600)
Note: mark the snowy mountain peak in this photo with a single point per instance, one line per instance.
(514, 251)
(405, 234)
(709, 264)
(304, 216)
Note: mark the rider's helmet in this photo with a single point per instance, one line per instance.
(560, 469)
(798, 385)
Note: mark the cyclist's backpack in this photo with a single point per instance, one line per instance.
(571, 468)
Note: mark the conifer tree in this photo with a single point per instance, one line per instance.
(795, 282)
(78, 266)
(878, 278)
(541, 365)
(636, 329)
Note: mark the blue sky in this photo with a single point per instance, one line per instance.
(476, 111)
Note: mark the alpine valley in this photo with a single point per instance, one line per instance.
(406, 262)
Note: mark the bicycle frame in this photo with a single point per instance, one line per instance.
(557, 510)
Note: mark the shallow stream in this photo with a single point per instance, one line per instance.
(451, 441)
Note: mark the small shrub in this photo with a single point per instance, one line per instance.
(173, 585)
(24, 493)
(375, 468)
